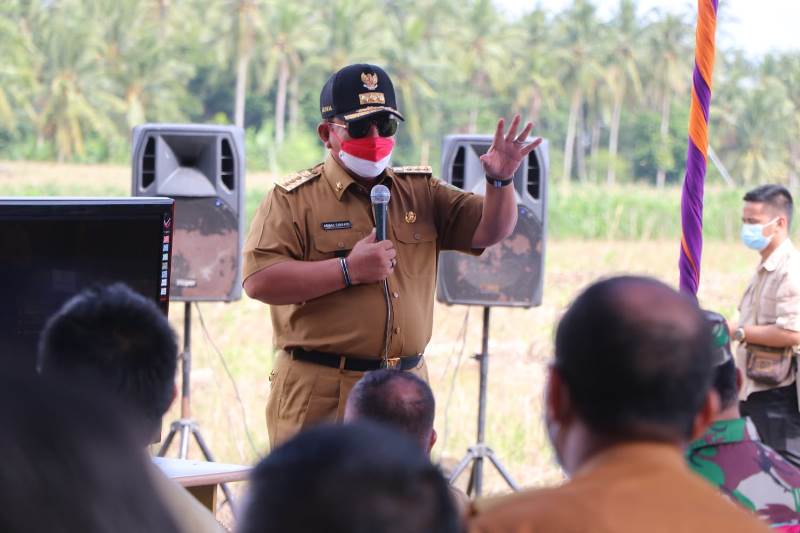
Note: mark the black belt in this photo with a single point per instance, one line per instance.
(358, 364)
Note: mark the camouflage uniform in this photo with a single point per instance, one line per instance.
(732, 457)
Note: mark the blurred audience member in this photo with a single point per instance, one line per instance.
(629, 387)
(355, 478)
(116, 339)
(731, 455)
(70, 464)
(404, 401)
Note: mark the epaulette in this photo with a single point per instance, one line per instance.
(420, 169)
(292, 181)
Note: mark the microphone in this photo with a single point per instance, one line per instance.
(379, 195)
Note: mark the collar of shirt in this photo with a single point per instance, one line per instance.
(339, 180)
(732, 431)
(778, 255)
(634, 456)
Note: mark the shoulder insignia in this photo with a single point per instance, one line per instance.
(292, 181)
(421, 169)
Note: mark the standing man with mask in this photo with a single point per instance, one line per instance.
(342, 303)
(768, 331)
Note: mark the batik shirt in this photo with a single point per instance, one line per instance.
(732, 457)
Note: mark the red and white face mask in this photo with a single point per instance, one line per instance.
(367, 157)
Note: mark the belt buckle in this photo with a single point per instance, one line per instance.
(391, 363)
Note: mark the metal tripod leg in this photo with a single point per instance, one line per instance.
(477, 452)
(186, 426)
(475, 455)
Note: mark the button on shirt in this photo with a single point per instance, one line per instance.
(771, 297)
(296, 224)
(732, 457)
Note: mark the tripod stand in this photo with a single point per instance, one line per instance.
(480, 450)
(186, 425)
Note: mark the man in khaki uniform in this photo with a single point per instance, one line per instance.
(769, 315)
(629, 387)
(342, 303)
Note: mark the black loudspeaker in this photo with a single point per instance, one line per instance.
(511, 272)
(202, 168)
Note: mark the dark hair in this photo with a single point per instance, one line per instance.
(116, 337)
(399, 399)
(70, 464)
(353, 478)
(635, 356)
(777, 197)
(725, 383)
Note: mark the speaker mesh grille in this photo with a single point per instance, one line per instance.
(457, 176)
(534, 176)
(227, 165)
(149, 163)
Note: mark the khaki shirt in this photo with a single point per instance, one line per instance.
(772, 297)
(631, 488)
(320, 214)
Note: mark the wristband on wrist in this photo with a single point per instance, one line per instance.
(497, 182)
(345, 272)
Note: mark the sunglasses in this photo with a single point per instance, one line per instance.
(357, 129)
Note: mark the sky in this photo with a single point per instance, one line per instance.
(756, 26)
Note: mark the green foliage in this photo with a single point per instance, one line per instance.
(611, 95)
(637, 213)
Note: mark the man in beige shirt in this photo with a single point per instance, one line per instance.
(629, 387)
(769, 315)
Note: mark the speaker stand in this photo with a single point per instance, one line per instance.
(186, 426)
(480, 450)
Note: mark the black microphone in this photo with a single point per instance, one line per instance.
(380, 204)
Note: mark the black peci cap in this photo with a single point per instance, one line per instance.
(357, 91)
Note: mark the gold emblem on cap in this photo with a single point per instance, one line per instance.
(339, 186)
(411, 217)
(370, 80)
(371, 98)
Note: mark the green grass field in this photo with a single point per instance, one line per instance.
(521, 340)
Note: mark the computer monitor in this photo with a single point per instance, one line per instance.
(52, 248)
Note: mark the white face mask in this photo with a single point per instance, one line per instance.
(364, 167)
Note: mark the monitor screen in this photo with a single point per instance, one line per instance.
(52, 248)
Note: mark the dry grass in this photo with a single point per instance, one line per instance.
(521, 340)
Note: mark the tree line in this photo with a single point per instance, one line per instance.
(610, 94)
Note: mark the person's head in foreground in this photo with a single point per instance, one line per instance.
(632, 363)
(69, 463)
(395, 398)
(766, 218)
(116, 338)
(354, 478)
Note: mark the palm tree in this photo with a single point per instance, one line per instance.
(533, 70)
(74, 94)
(579, 72)
(669, 55)
(294, 32)
(622, 74)
(17, 76)
(141, 61)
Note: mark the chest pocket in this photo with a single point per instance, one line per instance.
(330, 244)
(416, 248)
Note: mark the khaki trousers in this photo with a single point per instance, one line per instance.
(303, 394)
